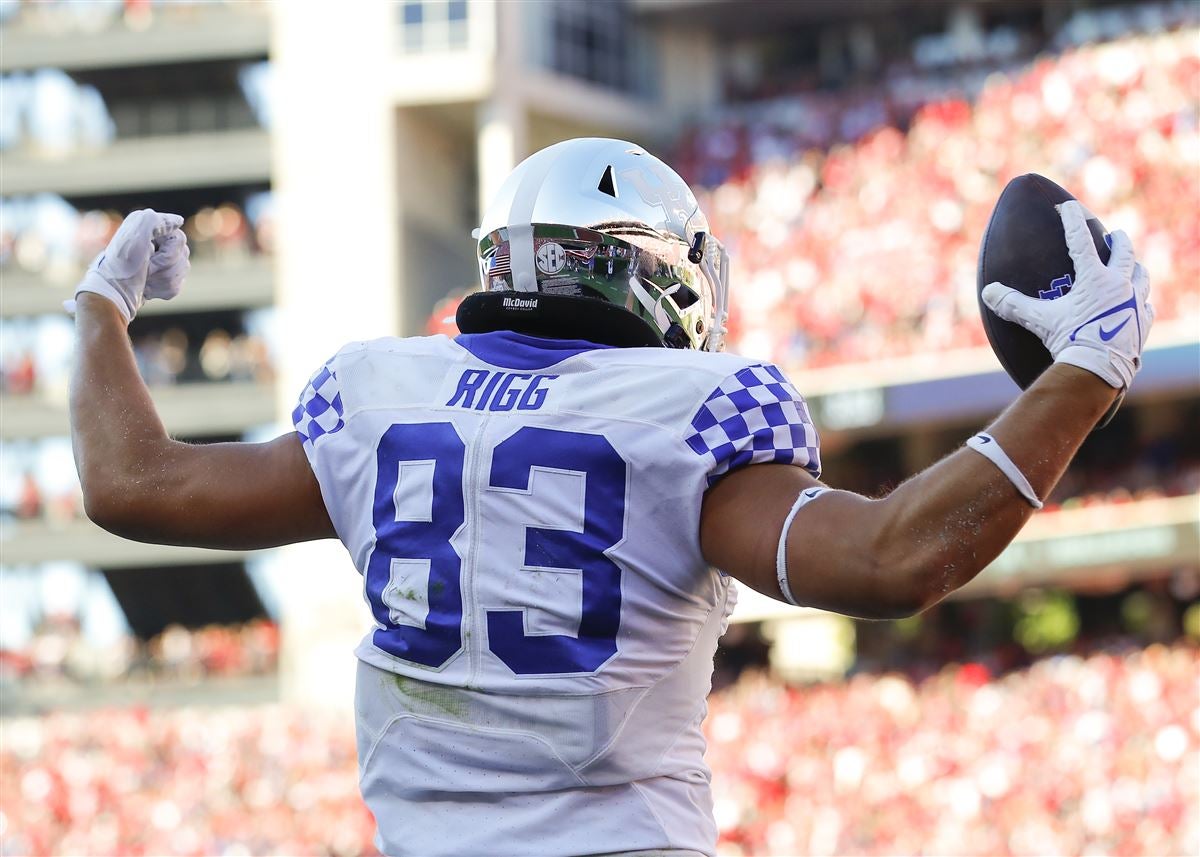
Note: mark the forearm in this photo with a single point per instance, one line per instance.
(945, 525)
(117, 437)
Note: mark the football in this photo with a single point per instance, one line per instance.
(1024, 248)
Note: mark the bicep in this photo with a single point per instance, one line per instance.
(234, 496)
(831, 547)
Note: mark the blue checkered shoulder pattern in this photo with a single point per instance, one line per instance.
(755, 417)
(320, 410)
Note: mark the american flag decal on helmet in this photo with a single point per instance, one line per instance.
(501, 265)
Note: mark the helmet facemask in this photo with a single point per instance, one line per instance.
(620, 264)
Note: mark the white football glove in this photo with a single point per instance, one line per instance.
(146, 258)
(1102, 323)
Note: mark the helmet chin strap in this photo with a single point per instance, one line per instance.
(520, 248)
(655, 305)
(719, 282)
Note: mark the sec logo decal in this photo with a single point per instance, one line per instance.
(550, 258)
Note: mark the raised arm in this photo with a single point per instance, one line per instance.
(137, 481)
(895, 556)
(898, 555)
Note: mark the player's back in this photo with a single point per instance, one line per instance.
(525, 513)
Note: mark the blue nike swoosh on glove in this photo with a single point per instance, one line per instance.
(1113, 310)
(1109, 334)
(984, 438)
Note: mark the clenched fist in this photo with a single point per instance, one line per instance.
(146, 258)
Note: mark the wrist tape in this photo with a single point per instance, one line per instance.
(986, 445)
(806, 497)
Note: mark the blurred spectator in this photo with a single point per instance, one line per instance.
(161, 357)
(35, 354)
(38, 481)
(29, 504)
(20, 375)
(216, 355)
(221, 233)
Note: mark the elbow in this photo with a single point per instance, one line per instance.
(128, 495)
(886, 590)
(918, 581)
(103, 507)
(908, 582)
(899, 599)
(913, 566)
(111, 507)
(919, 598)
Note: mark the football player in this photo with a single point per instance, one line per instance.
(548, 510)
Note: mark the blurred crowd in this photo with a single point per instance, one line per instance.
(169, 356)
(854, 218)
(47, 237)
(1122, 485)
(1074, 754)
(1166, 467)
(217, 781)
(174, 354)
(58, 651)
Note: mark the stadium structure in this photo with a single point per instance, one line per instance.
(331, 164)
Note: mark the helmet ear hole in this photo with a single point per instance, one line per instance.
(608, 182)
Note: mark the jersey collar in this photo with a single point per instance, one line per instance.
(510, 350)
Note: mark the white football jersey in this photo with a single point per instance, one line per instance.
(525, 514)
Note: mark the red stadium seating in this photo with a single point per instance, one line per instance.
(848, 252)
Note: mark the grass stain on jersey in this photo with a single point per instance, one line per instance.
(422, 698)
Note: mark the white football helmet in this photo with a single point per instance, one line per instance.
(597, 239)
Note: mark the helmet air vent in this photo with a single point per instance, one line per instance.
(608, 183)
